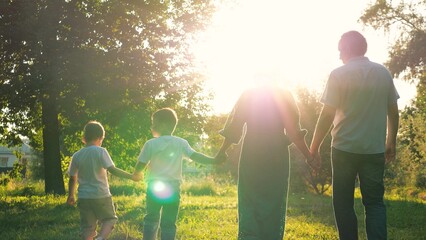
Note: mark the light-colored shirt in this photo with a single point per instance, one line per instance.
(360, 91)
(90, 165)
(163, 156)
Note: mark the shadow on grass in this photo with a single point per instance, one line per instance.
(405, 218)
(48, 218)
(37, 218)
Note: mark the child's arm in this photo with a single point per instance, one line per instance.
(138, 174)
(203, 159)
(71, 190)
(119, 172)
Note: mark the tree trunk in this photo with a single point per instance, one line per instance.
(54, 182)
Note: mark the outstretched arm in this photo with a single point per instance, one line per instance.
(138, 174)
(203, 159)
(293, 129)
(393, 123)
(324, 123)
(119, 172)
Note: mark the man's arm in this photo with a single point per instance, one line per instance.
(393, 124)
(119, 172)
(72, 183)
(203, 159)
(323, 126)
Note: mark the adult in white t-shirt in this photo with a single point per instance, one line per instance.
(360, 102)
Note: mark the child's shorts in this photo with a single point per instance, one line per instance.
(94, 210)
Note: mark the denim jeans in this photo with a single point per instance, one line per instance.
(369, 168)
(162, 208)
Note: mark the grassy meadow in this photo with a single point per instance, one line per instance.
(208, 211)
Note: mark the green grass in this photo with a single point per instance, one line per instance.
(208, 211)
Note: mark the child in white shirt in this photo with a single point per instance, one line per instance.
(162, 156)
(89, 166)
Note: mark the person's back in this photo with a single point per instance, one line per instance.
(164, 155)
(271, 118)
(92, 172)
(361, 104)
(360, 101)
(89, 167)
(263, 112)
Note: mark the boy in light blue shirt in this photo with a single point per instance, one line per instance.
(162, 156)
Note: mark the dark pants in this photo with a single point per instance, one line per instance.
(262, 192)
(162, 208)
(369, 168)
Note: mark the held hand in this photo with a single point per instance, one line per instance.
(315, 161)
(221, 157)
(137, 176)
(390, 153)
(71, 200)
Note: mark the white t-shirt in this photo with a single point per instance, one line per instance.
(163, 156)
(360, 91)
(90, 165)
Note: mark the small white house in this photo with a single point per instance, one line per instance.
(8, 156)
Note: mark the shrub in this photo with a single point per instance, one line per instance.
(421, 179)
(204, 188)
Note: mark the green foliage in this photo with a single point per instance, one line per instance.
(409, 168)
(36, 167)
(210, 185)
(64, 63)
(211, 128)
(201, 189)
(310, 108)
(406, 18)
(17, 171)
(407, 58)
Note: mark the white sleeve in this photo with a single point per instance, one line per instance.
(145, 154)
(187, 150)
(106, 159)
(72, 168)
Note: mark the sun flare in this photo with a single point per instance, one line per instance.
(294, 42)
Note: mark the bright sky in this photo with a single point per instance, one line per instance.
(296, 41)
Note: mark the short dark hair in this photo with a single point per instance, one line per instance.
(92, 131)
(354, 43)
(164, 120)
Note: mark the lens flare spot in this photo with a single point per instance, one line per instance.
(159, 186)
(162, 191)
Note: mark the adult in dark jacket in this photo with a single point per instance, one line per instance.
(271, 120)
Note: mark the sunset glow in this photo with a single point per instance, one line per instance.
(296, 42)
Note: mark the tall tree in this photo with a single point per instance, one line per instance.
(64, 62)
(406, 19)
(407, 58)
